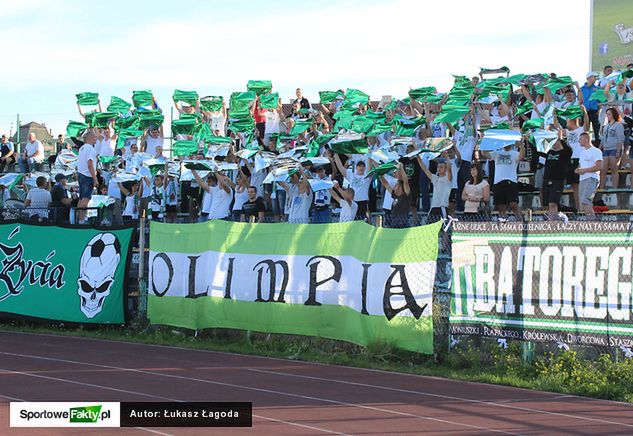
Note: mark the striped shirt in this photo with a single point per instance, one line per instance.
(40, 199)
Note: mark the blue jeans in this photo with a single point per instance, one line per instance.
(323, 216)
(26, 165)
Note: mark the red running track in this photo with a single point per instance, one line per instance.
(289, 397)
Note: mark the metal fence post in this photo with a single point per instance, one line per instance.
(142, 282)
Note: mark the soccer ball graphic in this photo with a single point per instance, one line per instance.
(97, 267)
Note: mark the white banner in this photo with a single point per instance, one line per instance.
(341, 280)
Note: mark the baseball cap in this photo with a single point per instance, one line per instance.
(592, 73)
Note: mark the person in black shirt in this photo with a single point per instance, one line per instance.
(61, 201)
(253, 207)
(556, 162)
(305, 104)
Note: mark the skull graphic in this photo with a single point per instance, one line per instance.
(97, 266)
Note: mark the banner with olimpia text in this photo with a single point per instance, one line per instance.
(55, 273)
(544, 282)
(347, 281)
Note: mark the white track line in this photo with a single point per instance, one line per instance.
(447, 397)
(232, 385)
(303, 362)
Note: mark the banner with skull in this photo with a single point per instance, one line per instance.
(77, 276)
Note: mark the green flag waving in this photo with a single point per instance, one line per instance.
(269, 101)
(189, 97)
(142, 98)
(571, 112)
(118, 105)
(383, 169)
(185, 147)
(259, 86)
(148, 119)
(183, 126)
(87, 98)
(300, 127)
(75, 129)
(329, 96)
(354, 96)
(212, 103)
(102, 119)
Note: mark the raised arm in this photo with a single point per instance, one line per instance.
(385, 184)
(201, 182)
(225, 183)
(339, 164)
(122, 189)
(423, 167)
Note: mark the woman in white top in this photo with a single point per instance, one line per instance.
(476, 192)
(241, 194)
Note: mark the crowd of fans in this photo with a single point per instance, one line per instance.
(339, 160)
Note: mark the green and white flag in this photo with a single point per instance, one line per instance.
(11, 179)
(259, 87)
(75, 129)
(300, 127)
(150, 118)
(349, 143)
(103, 119)
(185, 147)
(142, 98)
(348, 281)
(189, 97)
(184, 126)
(119, 105)
(571, 112)
(81, 279)
(87, 98)
(329, 96)
(269, 101)
(212, 103)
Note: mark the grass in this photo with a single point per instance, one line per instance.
(480, 361)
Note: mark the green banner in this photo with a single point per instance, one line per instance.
(79, 281)
(348, 281)
(544, 282)
(611, 34)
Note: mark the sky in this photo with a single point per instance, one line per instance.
(53, 50)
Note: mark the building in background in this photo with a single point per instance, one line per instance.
(42, 134)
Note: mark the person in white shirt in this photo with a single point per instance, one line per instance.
(572, 133)
(505, 188)
(153, 140)
(33, 154)
(345, 197)
(442, 185)
(220, 191)
(589, 166)
(106, 143)
(86, 173)
(359, 182)
(38, 199)
(321, 212)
